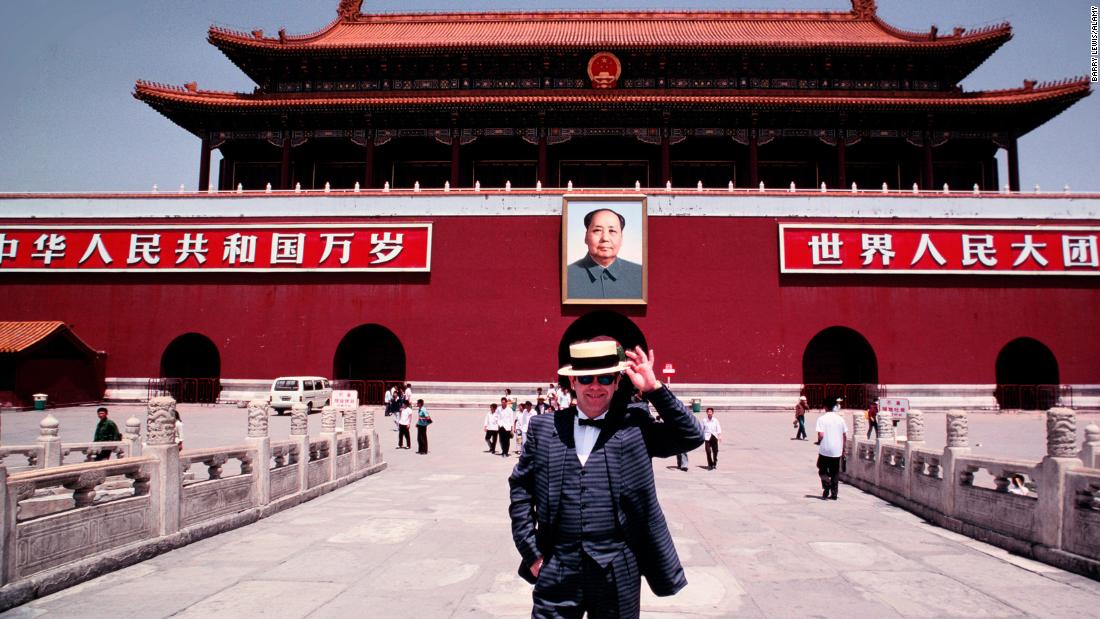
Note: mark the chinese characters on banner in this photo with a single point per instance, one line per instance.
(217, 248)
(932, 249)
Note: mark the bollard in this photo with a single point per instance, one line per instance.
(165, 487)
(48, 436)
(132, 436)
(1061, 458)
(260, 440)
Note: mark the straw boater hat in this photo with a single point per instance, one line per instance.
(592, 358)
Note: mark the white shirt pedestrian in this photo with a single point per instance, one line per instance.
(405, 418)
(711, 427)
(832, 428)
(506, 419)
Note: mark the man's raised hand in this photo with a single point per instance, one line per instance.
(640, 370)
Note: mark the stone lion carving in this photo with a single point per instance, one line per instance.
(958, 429)
(1061, 433)
(257, 418)
(161, 421)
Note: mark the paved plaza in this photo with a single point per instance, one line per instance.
(429, 537)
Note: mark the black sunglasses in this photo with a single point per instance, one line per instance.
(604, 379)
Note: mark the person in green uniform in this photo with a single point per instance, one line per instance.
(105, 431)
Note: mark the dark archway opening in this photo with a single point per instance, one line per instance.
(602, 323)
(191, 368)
(368, 358)
(839, 362)
(1027, 376)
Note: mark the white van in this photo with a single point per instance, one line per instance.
(313, 391)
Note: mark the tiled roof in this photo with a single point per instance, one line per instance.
(618, 30)
(214, 100)
(21, 335)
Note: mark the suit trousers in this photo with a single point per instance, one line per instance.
(711, 447)
(491, 440)
(573, 585)
(505, 441)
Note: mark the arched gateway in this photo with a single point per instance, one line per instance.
(191, 368)
(1027, 376)
(839, 361)
(368, 357)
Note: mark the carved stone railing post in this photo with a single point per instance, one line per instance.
(132, 436)
(260, 440)
(165, 486)
(885, 425)
(368, 429)
(299, 431)
(1061, 457)
(351, 429)
(859, 430)
(1090, 451)
(914, 439)
(48, 437)
(7, 529)
(958, 444)
(328, 432)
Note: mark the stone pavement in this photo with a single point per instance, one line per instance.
(429, 537)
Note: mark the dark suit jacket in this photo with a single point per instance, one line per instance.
(630, 441)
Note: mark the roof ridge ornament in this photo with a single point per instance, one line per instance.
(349, 10)
(864, 9)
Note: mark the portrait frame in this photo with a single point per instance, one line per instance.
(634, 250)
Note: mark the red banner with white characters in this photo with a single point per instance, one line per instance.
(212, 248)
(932, 249)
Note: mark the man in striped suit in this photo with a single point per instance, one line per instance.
(584, 509)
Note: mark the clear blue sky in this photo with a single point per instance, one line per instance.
(68, 67)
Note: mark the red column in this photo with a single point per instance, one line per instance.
(456, 145)
(926, 167)
(666, 159)
(754, 159)
(544, 164)
(1013, 165)
(841, 159)
(368, 162)
(284, 167)
(204, 163)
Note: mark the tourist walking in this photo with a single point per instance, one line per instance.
(832, 435)
(491, 427)
(872, 419)
(712, 434)
(404, 419)
(105, 431)
(587, 540)
(800, 418)
(506, 426)
(423, 420)
(523, 418)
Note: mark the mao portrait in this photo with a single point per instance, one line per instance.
(604, 250)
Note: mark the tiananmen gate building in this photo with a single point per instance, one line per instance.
(812, 200)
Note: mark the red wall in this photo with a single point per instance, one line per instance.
(490, 310)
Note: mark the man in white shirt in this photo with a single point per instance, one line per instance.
(507, 426)
(832, 435)
(387, 399)
(523, 417)
(712, 433)
(404, 419)
(492, 426)
(565, 398)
